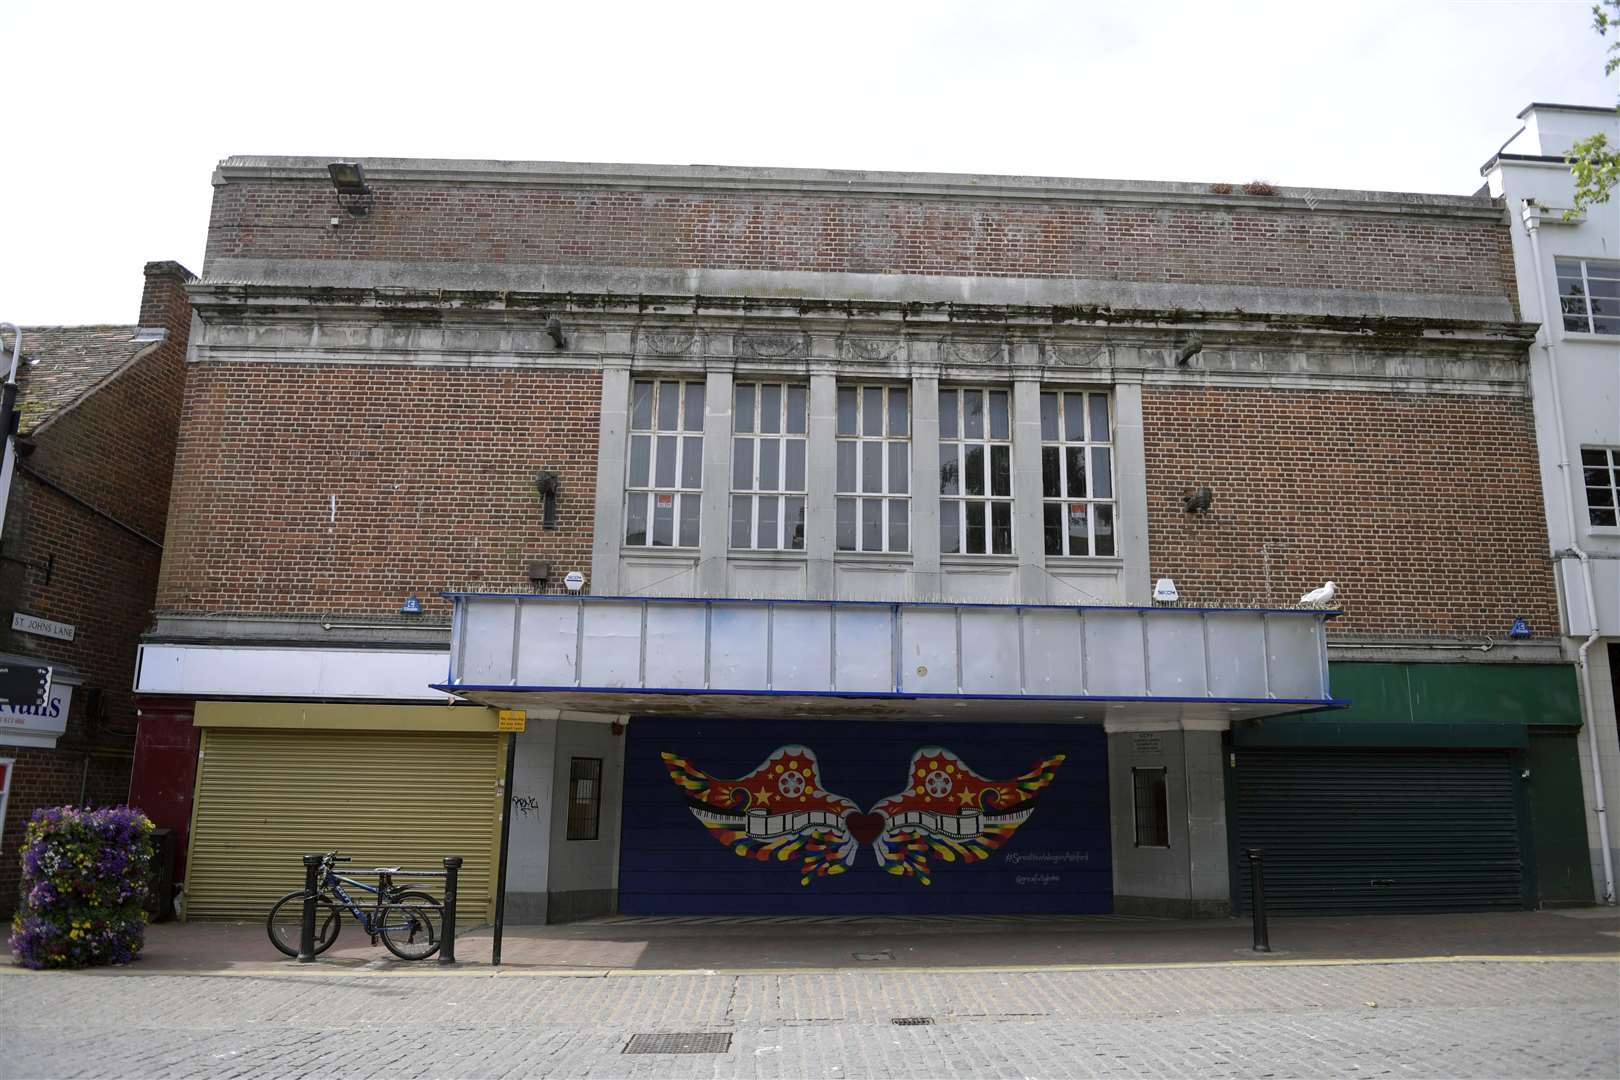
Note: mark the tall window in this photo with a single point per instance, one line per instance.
(1077, 474)
(1600, 466)
(874, 468)
(665, 479)
(975, 473)
(1589, 294)
(768, 466)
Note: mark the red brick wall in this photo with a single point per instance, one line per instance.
(113, 451)
(433, 470)
(1424, 509)
(1290, 247)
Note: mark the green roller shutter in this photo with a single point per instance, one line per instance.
(388, 798)
(1379, 830)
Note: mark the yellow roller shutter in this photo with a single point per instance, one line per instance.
(267, 796)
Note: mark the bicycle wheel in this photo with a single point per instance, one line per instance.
(286, 922)
(410, 925)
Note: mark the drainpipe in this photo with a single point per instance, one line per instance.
(1532, 225)
(9, 399)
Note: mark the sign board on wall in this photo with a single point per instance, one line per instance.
(35, 725)
(33, 624)
(24, 685)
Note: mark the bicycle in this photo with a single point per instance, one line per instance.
(407, 920)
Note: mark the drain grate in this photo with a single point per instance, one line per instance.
(679, 1042)
(911, 1021)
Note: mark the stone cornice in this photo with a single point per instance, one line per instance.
(717, 178)
(411, 328)
(974, 332)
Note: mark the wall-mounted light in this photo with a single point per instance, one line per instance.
(1198, 500)
(549, 485)
(350, 181)
(554, 330)
(411, 606)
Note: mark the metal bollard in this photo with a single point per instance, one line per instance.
(306, 930)
(1257, 898)
(447, 933)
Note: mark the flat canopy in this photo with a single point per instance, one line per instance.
(720, 657)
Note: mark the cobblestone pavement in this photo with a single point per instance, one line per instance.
(1452, 1018)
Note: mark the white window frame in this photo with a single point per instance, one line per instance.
(784, 497)
(887, 499)
(1612, 468)
(1584, 298)
(688, 440)
(1091, 499)
(954, 508)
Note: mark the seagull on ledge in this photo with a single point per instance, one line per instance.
(1320, 597)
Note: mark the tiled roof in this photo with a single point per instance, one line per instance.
(72, 362)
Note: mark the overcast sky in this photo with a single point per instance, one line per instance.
(115, 114)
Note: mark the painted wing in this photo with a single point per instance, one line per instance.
(778, 812)
(950, 812)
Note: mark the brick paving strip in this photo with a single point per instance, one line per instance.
(1497, 1017)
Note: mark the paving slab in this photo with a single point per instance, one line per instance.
(642, 945)
(1496, 1018)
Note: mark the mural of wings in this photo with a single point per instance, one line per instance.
(779, 812)
(950, 812)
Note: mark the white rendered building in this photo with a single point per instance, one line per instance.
(1569, 265)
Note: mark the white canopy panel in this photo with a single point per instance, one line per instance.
(645, 654)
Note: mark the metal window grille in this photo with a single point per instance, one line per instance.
(584, 798)
(1589, 295)
(768, 466)
(1077, 473)
(874, 469)
(665, 476)
(1600, 470)
(975, 472)
(1152, 801)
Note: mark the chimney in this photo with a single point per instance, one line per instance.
(165, 313)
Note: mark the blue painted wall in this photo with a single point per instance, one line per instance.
(1058, 861)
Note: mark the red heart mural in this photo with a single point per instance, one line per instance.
(865, 827)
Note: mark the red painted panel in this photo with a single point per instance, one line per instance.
(165, 771)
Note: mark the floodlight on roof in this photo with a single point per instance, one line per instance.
(348, 177)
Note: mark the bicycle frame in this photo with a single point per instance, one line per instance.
(336, 881)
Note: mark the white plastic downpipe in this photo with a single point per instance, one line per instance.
(1532, 225)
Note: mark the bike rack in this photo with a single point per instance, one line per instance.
(312, 888)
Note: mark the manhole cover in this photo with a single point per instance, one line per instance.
(911, 1021)
(681, 1042)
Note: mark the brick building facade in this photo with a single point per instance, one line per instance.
(380, 377)
(99, 407)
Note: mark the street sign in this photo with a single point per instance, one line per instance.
(25, 686)
(511, 720)
(33, 624)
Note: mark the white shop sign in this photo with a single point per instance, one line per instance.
(33, 624)
(33, 725)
